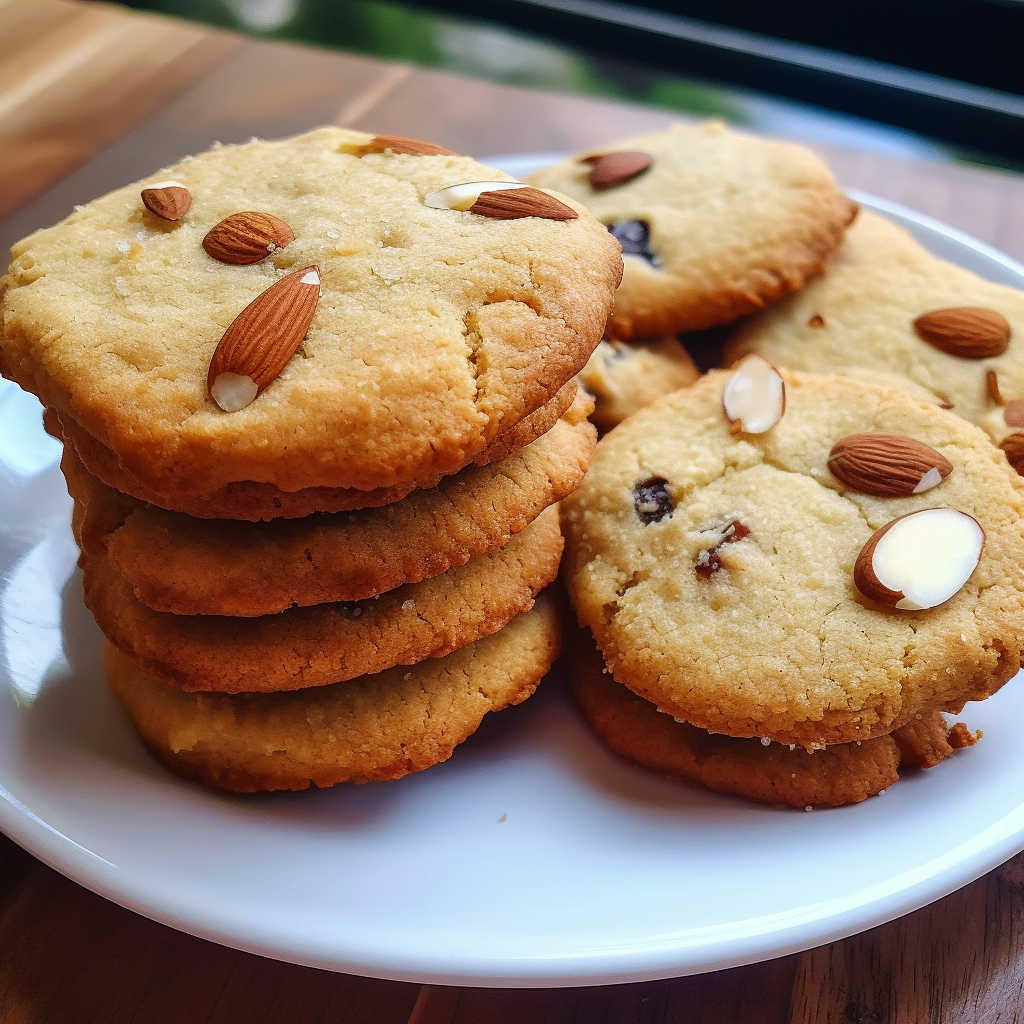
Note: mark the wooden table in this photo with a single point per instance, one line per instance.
(93, 96)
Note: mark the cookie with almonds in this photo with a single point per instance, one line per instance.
(713, 223)
(626, 376)
(887, 305)
(413, 337)
(374, 727)
(732, 579)
(772, 773)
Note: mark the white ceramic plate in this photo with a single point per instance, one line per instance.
(532, 858)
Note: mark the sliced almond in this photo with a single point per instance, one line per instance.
(503, 200)
(919, 560)
(970, 332)
(247, 237)
(402, 144)
(1013, 413)
(887, 465)
(754, 397)
(168, 200)
(610, 169)
(261, 340)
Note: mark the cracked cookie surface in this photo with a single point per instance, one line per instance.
(718, 225)
(436, 330)
(715, 570)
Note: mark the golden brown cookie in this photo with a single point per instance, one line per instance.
(188, 566)
(419, 333)
(723, 572)
(626, 376)
(328, 643)
(374, 727)
(256, 502)
(718, 224)
(772, 773)
(887, 304)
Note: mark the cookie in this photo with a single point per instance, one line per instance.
(188, 566)
(419, 333)
(717, 225)
(887, 304)
(374, 727)
(626, 376)
(722, 571)
(327, 643)
(845, 773)
(258, 502)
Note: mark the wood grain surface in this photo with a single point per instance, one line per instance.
(91, 97)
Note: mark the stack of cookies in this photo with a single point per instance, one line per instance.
(318, 407)
(789, 577)
(785, 579)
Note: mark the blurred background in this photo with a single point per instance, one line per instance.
(940, 79)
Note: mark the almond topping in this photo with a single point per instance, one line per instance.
(1013, 446)
(919, 560)
(402, 144)
(503, 200)
(247, 237)
(754, 397)
(887, 465)
(969, 332)
(168, 200)
(1013, 413)
(610, 169)
(816, 322)
(992, 386)
(261, 340)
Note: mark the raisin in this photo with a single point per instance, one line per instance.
(709, 561)
(652, 500)
(635, 238)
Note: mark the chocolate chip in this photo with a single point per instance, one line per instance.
(635, 238)
(652, 500)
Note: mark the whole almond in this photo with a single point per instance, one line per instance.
(168, 200)
(402, 144)
(514, 203)
(261, 340)
(970, 332)
(247, 237)
(887, 465)
(610, 169)
(920, 560)
(1013, 446)
(754, 397)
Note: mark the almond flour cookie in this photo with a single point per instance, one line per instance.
(327, 643)
(258, 502)
(374, 727)
(723, 575)
(626, 376)
(845, 773)
(714, 224)
(419, 333)
(886, 304)
(188, 566)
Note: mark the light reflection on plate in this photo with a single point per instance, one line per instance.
(532, 858)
